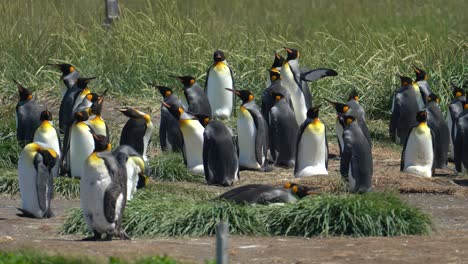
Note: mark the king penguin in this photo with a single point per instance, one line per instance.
(170, 136)
(137, 131)
(311, 147)
(69, 76)
(252, 130)
(356, 160)
(454, 111)
(103, 191)
(218, 77)
(46, 133)
(418, 152)
(28, 114)
(197, 101)
(220, 155)
(81, 144)
(95, 121)
(407, 102)
(276, 66)
(355, 106)
(421, 81)
(461, 140)
(36, 164)
(282, 132)
(192, 131)
(136, 169)
(436, 121)
(275, 87)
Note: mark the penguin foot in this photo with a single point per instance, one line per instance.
(122, 235)
(49, 214)
(95, 237)
(108, 237)
(267, 168)
(25, 213)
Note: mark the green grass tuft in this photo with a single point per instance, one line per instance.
(171, 167)
(9, 148)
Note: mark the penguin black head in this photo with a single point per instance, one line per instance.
(279, 60)
(353, 95)
(457, 91)
(143, 181)
(245, 95)
(348, 120)
(24, 93)
(313, 112)
(421, 116)
(101, 143)
(96, 107)
(49, 157)
(163, 90)
(339, 107)
(92, 97)
(46, 115)
(421, 75)
(433, 98)
(218, 56)
(300, 190)
(65, 68)
(203, 119)
(274, 75)
(130, 112)
(81, 116)
(174, 109)
(82, 83)
(292, 54)
(405, 81)
(187, 80)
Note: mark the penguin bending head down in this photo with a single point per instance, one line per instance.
(196, 100)
(135, 167)
(69, 76)
(47, 134)
(137, 131)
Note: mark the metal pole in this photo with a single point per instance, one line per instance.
(222, 233)
(112, 11)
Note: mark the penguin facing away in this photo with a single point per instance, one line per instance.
(421, 81)
(252, 132)
(356, 160)
(135, 168)
(27, 115)
(137, 131)
(197, 101)
(36, 165)
(170, 136)
(275, 87)
(220, 155)
(69, 76)
(81, 144)
(95, 121)
(311, 147)
(103, 191)
(276, 66)
(218, 77)
(192, 130)
(282, 132)
(455, 109)
(355, 106)
(461, 141)
(418, 152)
(435, 120)
(46, 133)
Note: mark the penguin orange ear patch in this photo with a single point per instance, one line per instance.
(277, 98)
(349, 121)
(206, 120)
(192, 81)
(458, 94)
(30, 97)
(294, 189)
(72, 69)
(251, 97)
(167, 93)
(404, 84)
(273, 78)
(287, 185)
(345, 109)
(425, 77)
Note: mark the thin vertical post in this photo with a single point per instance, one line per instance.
(222, 233)
(112, 11)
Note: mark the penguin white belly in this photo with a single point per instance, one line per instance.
(339, 134)
(419, 155)
(450, 125)
(92, 189)
(47, 135)
(246, 135)
(220, 99)
(297, 96)
(27, 177)
(312, 154)
(81, 146)
(351, 179)
(192, 131)
(132, 177)
(146, 139)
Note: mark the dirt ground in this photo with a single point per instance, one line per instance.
(439, 196)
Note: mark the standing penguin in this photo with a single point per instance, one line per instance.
(95, 121)
(454, 111)
(46, 133)
(135, 167)
(192, 130)
(282, 132)
(103, 191)
(461, 140)
(220, 155)
(407, 102)
(197, 101)
(275, 87)
(170, 136)
(27, 116)
(418, 152)
(435, 120)
(69, 76)
(218, 77)
(276, 66)
(252, 130)
(36, 164)
(311, 147)
(355, 106)
(356, 160)
(137, 131)
(421, 81)
(81, 144)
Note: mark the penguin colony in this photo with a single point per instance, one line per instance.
(285, 131)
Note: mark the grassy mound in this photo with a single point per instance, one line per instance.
(157, 213)
(171, 167)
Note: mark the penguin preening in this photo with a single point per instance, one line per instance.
(46, 133)
(197, 101)
(418, 152)
(436, 121)
(282, 132)
(276, 66)
(28, 113)
(218, 77)
(356, 160)
(421, 81)
(407, 102)
(137, 131)
(81, 144)
(454, 111)
(220, 154)
(103, 191)
(252, 130)
(36, 165)
(170, 136)
(69, 76)
(135, 167)
(95, 121)
(192, 131)
(311, 147)
(461, 140)
(275, 87)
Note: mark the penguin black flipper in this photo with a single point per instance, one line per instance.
(207, 78)
(261, 137)
(233, 94)
(42, 182)
(346, 159)
(433, 137)
(207, 144)
(395, 118)
(114, 191)
(163, 128)
(458, 145)
(315, 74)
(298, 141)
(402, 162)
(326, 145)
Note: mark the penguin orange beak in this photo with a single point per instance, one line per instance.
(177, 77)
(276, 54)
(232, 90)
(416, 69)
(123, 110)
(331, 102)
(288, 50)
(166, 105)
